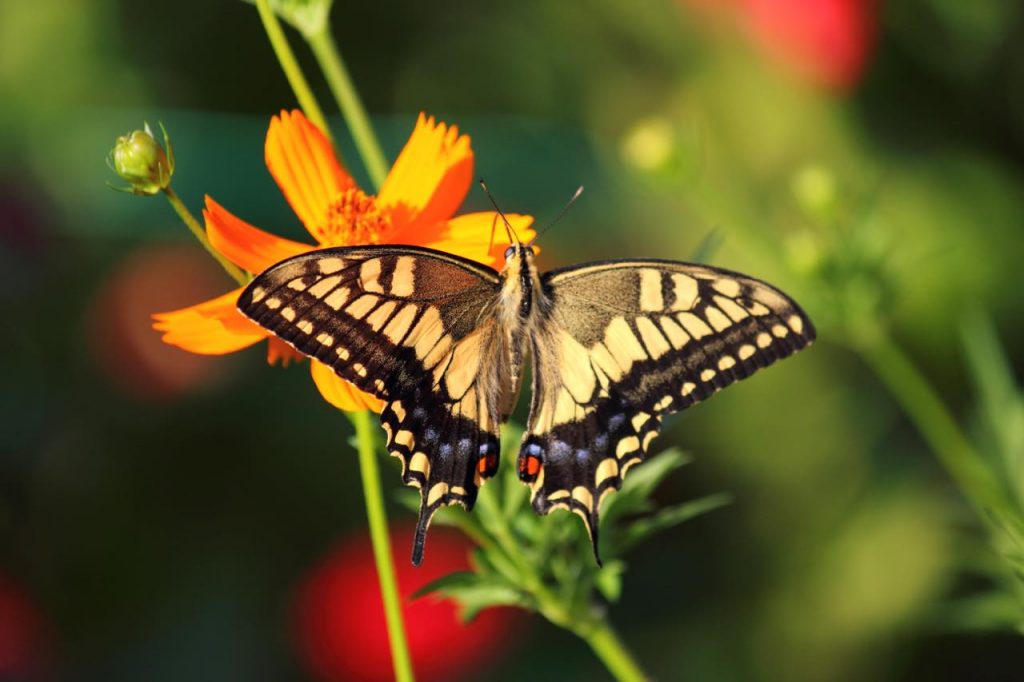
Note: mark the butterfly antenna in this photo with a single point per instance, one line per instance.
(494, 224)
(513, 238)
(565, 209)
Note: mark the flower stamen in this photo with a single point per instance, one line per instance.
(353, 217)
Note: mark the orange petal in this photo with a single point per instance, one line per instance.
(248, 247)
(303, 163)
(214, 327)
(469, 236)
(431, 177)
(278, 350)
(340, 393)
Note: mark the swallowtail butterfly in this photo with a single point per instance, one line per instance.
(615, 346)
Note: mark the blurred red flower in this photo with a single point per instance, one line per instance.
(825, 42)
(22, 650)
(339, 617)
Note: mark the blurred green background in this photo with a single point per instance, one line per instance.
(158, 511)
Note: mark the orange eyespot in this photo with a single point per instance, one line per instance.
(529, 466)
(487, 465)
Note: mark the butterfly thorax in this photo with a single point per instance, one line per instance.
(520, 289)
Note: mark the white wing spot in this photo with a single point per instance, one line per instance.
(639, 419)
(369, 276)
(746, 351)
(337, 298)
(650, 290)
(325, 340)
(779, 331)
(729, 287)
(796, 323)
(627, 445)
(717, 318)
(305, 326)
(707, 375)
(288, 314)
(329, 266)
(320, 289)
(694, 325)
(764, 340)
(726, 362)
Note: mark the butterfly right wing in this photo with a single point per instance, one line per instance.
(414, 327)
(624, 343)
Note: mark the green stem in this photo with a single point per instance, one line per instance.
(609, 648)
(196, 229)
(345, 93)
(935, 423)
(596, 632)
(377, 519)
(290, 66)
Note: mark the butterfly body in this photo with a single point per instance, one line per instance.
(443, 341)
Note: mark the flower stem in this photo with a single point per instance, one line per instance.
(290, 66)
(196, 229)
(609, 648)
(327, 54)
(377, 519)
(595, 631)
(935, 423)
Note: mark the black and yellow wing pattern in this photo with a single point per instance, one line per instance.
(408, 326)
(616, 346)
(622, 344)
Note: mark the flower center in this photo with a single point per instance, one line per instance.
(354, 218)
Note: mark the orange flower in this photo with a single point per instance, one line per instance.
(415, 206)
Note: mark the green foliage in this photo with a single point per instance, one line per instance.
(999, 434)
(545, 563)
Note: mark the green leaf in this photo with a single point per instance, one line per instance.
(641, 482)
(515, 491)
(609, 579)
(474, 592)
(1000, 401)
(992, 611)
(408, 498)
(633, 533)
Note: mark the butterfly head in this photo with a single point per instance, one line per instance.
(518, 251)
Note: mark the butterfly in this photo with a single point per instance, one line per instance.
(615, 345)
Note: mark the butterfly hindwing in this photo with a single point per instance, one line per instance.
(409, 326)
(622, 344)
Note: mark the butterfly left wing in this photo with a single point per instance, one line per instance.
(414, 327)
(623, 343)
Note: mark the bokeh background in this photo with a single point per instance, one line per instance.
(165, 516)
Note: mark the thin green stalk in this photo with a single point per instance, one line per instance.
(290, 66)
(196, 229)
(345, 93)
(377, 518)
(935, 423)
(609, 648)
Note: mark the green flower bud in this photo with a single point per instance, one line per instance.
(140, 160)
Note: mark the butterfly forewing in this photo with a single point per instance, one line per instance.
(623, 343)
(409, 326)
